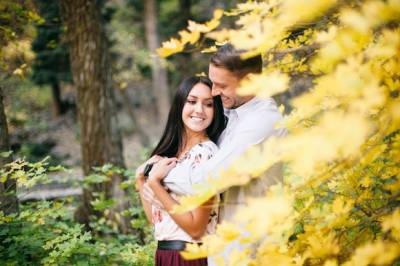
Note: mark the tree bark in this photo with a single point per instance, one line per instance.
(184, 59)
(59, 106)
(185, 6)
(8, 189)
(158, 73)
(144, 138)
(100, 137)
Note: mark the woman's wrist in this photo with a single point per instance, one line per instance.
(152, 181)
(139, 183)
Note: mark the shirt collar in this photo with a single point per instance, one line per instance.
(242, 110)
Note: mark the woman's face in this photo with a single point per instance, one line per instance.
(198, 111)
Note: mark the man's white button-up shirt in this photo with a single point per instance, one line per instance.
(249, 124)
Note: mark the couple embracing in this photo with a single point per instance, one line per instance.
(209, 126)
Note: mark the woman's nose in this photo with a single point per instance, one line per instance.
(198, 108)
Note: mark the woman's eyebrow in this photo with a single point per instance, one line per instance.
(193, 96)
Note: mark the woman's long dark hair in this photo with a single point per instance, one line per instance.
(172, 138)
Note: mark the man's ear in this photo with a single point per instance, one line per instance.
(245, 76)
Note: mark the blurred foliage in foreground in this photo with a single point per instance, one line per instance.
(340, 200)
(45, 233)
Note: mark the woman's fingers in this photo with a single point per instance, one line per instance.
(168, 161)
(154, 159)
(140, 169)
(161, 169)
(167, 164)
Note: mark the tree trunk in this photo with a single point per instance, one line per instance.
(185, 6)
(8, 189)
(144, 138)
(158, 73)
(184, 59)
(59, 106)
(100, 137)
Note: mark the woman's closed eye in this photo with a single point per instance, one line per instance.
(194, 102)
(209, 104)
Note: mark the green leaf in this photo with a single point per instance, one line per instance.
(5, 154)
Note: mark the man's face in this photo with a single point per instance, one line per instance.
(225, 84)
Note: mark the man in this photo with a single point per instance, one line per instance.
(250, 121)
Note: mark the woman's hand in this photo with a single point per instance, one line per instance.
(140, 178)
(161, 169)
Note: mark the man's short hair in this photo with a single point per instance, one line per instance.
(228, 57)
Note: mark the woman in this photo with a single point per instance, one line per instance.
(194, 124)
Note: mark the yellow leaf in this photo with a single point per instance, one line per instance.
(197, 27)
(212, 24)
(321, 245)
(189, 203)
(228, 231)
(355, 19)
(170, 47)
(341, 205)
(194, 251)
(210, 49)
(331, 262)
(377, 253)
(220, 37)
(392, 222)
(189, 37)
(19, 72)
(202, 74)
(373, 153)
(264, 85)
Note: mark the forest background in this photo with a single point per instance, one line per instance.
(69, 149)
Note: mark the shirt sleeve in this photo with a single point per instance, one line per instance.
(183, 185)
(257, 128)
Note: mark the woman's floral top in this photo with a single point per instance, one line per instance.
(165, 227)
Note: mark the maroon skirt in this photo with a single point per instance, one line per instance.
(167, 254)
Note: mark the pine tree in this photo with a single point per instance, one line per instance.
(51, 65)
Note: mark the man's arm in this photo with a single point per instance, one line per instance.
(258, 128)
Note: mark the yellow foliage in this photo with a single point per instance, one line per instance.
(377, 253)
(340, 206)
(392, 222)
(191, 35)
(170, 47)
(322, 246)
(228, 231)
(338, 203)
(210, 49)
(264, 85)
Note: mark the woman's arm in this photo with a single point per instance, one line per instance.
(193, 222)
(140, 183)
(146, 205)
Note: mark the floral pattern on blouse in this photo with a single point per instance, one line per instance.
(165, 227)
